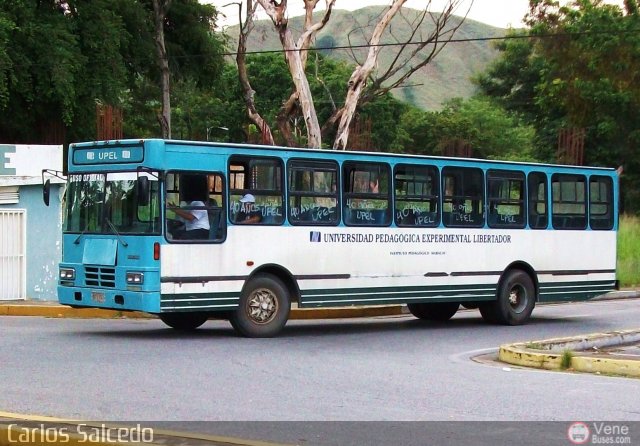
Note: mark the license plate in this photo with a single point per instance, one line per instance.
(97, 297)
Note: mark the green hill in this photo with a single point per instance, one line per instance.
(447, 76)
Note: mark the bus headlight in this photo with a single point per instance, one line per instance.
(67, 274)
(135, 278)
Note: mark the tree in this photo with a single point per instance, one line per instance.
(41, 66)
(363, 84)
(59, 58)
(160, 10)
(581, 72)
(492, 132)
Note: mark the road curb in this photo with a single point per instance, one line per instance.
(548, 354)
(60, 311)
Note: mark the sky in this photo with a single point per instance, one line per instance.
(500, 13)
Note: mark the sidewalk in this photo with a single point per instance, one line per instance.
(46, 308)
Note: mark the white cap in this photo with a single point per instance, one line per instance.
(248, 198)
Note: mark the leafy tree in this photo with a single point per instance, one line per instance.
(41, 65)
(59, 58)
(581, 71)
(593, 73)
(492, 132)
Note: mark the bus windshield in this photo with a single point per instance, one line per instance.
(99, 203)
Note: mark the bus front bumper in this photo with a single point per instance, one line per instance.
(109, 298)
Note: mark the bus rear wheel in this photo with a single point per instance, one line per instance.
(184, 321)
(516, 299)
(264, 307)
(435, 311)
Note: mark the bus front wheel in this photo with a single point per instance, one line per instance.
(516, 299)
(184, 321)
(264, 308)
(434, 311)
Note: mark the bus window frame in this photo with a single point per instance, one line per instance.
(481, 195)
(509, 175)
(313, 166)
(350, 166)
(569, 217)
(258, 192)
(431, 171)
(531, 203)
(222, 224)
(609, 203)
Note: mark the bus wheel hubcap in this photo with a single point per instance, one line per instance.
(262, 306)
(517, 298)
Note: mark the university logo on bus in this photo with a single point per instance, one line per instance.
(314, 236)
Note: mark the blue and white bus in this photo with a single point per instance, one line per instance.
(327, 229)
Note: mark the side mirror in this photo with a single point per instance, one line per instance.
(143, 191)
(46, 192)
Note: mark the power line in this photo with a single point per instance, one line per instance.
(427, 42)
(393, 44)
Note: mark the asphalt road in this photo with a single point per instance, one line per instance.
(382, 369)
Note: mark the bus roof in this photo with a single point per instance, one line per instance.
(325, 151)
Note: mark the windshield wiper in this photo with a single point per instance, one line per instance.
(77, 240)
(115, 231)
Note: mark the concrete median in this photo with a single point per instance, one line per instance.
(601, 353)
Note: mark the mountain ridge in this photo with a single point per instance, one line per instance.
(446, 77)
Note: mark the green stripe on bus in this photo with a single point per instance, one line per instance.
(199, 301)
(396, 295)
(565, 291)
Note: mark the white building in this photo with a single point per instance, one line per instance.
(30, 232)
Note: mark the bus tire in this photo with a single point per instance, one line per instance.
(434, 311)
(184, 321)
(516, 300)
(263, 309)
(488, 312)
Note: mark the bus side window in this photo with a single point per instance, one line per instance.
(313, 192)
(256, 190)
(463, 197)
(600, 202)
(416, 195)
(506, 199)
(569, 198)
(366, 199)
(538, 198)
(189, 195)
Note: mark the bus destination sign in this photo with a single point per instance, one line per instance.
(108, 155)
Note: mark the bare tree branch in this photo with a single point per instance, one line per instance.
(439, 37)
(410, 57)
(358, 78)
(413, 53)
(246, 26)
(296, 58)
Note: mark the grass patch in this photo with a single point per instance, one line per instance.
(629, 251)
(565, 359)
(536, 346)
